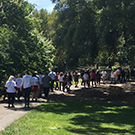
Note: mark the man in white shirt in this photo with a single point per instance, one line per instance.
(26, 85)
(85, 78)
(104, 74)
(52, 74)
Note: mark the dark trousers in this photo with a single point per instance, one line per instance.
(27, 95)
(93, 81)
(46, 91)
(87, 82)
(19, 93)
(5, 95)
(11, 98)
(62, 84)
(40, 90)
(52, 85)
(98, 80)
(57, 87)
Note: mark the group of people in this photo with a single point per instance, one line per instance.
(92, 76)
(95, 76)
(120, 75)
(38, 84)
(27, 85)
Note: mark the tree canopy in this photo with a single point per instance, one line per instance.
(22, 42)
(89, 32)
(77, 33)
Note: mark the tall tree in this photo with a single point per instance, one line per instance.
(76, 37)
(22, 46)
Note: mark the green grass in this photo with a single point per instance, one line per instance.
(75, 118)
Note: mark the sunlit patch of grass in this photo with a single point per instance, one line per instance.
(74, 118)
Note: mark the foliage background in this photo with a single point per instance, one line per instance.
(77, 33)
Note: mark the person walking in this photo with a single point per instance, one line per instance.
(104, 74)
(52, 74)
(41, 85)
(11, 90)
(127, 74)
(98, 77)
(65, 81)
(27, 83)
(46, 80)
(61, 81)
(112, 77)
(69, 80)
(18, 81)
(93, 77)
(76, 79)
(35, 89)
(57, 81)
(85, 79)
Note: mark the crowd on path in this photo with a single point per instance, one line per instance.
(38, 85)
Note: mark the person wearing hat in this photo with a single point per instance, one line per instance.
(36, 73)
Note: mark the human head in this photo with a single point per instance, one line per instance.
(26, 72)
(19, 75)
(34, 74)
(11, 77)
(93, 71)
(61, 73)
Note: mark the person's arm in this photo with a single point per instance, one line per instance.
(21, 85)
(31, 81)
(6, 86)
(6, 89)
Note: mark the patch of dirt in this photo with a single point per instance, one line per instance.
(117, 94)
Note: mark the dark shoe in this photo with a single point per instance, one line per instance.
(13, 106)
(8, 106)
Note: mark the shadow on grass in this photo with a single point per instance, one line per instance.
(94, 118)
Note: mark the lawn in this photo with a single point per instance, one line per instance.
(75, 117)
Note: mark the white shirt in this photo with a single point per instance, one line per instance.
(112, 74)
(61, 78)
(10, 85)
(118, 71)
(104, 73)
(35, 80)
(27, 81)
(18, 82)
(52, 75)
(85, 77)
